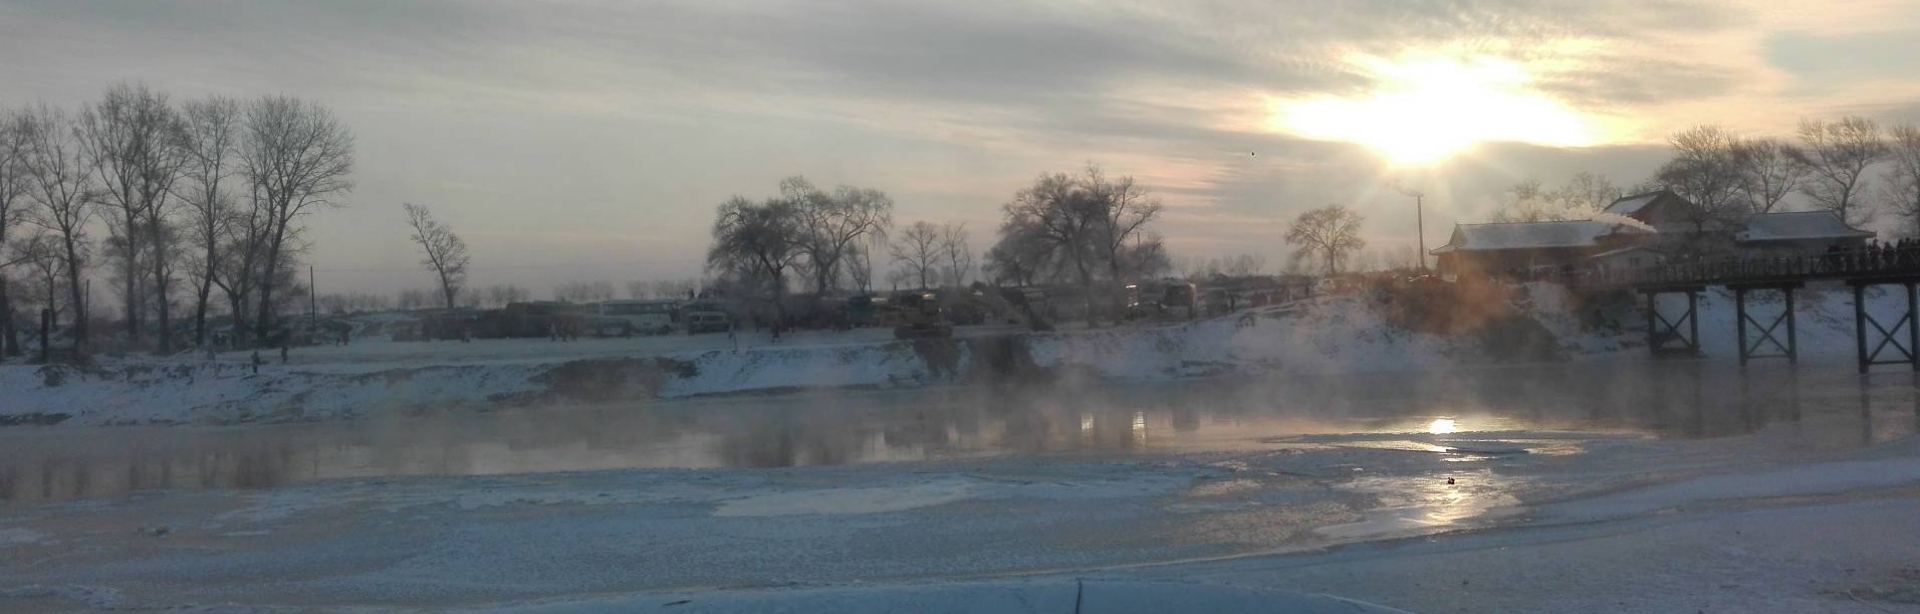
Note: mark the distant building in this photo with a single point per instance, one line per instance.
(1797, 233)
(1637, 231)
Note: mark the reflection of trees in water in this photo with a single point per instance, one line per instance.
(198, 462)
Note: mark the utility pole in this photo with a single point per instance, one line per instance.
(1420, 222)
(313, 310)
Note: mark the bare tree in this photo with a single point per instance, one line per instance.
(860, 262)
(1085, 222)
(13, 204)
(1527, 201)
(1580, 198)
(1024, 254)
(208, 141)
(584, 291)
(1837, 155)
(675, 288)
(296, 158)
(41, 254)
(1125, 210)
(956, 253)
(442, 252)
(757, 240)
(1706, 171)
(132, 142)
(414, 299)
(503, 295)
(829, 225)
(61, 188)
(1769, 174)
(1243, 265)
(917, 249)
(1587, 194)
(1902, 181)
(1329, 233)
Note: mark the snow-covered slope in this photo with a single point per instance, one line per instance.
(1327, 335)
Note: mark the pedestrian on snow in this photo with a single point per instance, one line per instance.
(256, 362)
(283, 352)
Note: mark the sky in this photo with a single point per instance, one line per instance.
(592, 140)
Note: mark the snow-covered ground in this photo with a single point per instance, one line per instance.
(1329, 335)
(1245, 462)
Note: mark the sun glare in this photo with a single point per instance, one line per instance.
(1443, 426)
(1424, 111)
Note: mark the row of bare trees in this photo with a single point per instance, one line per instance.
(662, 289)
(1830, 166)
(210, 193)
(824, 237)
(932, 255)
(1088, 228)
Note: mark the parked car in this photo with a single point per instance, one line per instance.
(707, 320)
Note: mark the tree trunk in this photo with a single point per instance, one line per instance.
(132, 283)
(78, 303)
(200, 307)
(237, 305)
(9, 337)
(264, 318)
(161, 287)
(1086, 289)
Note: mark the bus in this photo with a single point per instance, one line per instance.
(636, 317)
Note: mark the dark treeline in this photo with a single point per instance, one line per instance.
(1087, 229)
(1829, 165)
(167, 202)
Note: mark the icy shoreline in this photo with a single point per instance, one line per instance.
(1335, 335)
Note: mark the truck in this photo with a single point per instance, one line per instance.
(703, 317)
(626, 318)
(920, 316)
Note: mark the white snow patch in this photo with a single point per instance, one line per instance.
(1807, 480)
(841, 501)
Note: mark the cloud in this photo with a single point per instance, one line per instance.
(572, 119)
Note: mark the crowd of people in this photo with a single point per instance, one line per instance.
(1875, 254)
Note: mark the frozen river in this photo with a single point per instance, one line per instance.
(1089, 420)
(477, 510)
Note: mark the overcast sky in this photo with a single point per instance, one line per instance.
(592, 140)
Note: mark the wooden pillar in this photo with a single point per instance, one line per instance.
(46, 330)
(1653, 333)
(1740, 323)
(1913, 328)
(1693, 321)
(1793, 338)
(1860, 324)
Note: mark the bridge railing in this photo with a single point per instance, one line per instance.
(1834, 265)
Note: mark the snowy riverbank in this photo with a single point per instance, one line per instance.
(1330, 335)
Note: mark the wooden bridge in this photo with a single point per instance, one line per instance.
(1877, 342)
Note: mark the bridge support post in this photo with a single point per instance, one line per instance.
(1788, 349)
(1905, 347)
(1665, 336)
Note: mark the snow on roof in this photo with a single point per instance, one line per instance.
(1632, 204)
(1526, 235)
(1623, 250)
(1797, 225)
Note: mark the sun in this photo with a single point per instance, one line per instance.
(1425, 110)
